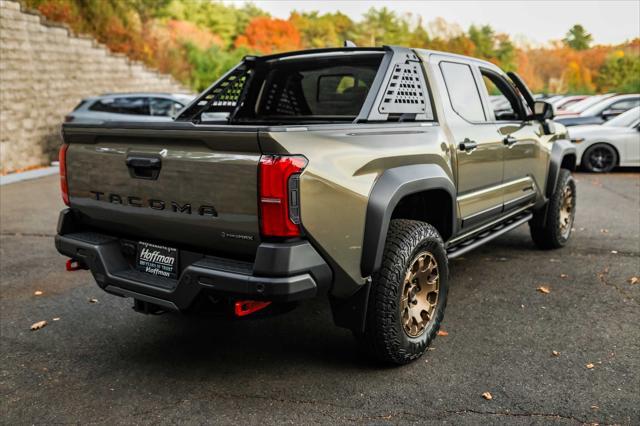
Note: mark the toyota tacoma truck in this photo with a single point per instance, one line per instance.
(352, 174)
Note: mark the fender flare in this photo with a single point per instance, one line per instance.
(389, 189)
(561, 148)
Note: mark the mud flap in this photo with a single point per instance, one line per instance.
(351, 312)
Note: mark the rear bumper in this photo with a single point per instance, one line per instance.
(281, 272)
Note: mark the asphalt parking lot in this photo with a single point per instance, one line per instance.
(103, 363)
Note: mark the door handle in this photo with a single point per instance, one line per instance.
(468, 145)
(144, 162)
(142, 167)
(510, 141)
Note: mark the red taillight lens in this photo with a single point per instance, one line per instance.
(62, 158)
(279, 195)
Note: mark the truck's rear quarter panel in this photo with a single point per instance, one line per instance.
(344, 164)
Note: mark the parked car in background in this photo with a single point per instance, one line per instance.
(603, 111)
(615, 143)
(565, 102)
(582, 105)
(128, 107)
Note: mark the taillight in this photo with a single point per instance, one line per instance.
(62, 158)
(280, 195)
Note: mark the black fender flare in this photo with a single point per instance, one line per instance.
(560, 150)
(389, 189)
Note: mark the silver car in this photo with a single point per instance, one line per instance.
(600, 148)
(128, 107)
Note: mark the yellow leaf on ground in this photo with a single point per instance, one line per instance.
(544, 289)
(590, 366)
(487, 396)
(564, 276)
(92, 300)
(38, 325)
(633, 280)
(442, 333)
(37, 293)
(555, 353)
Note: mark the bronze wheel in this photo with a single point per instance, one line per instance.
(566, 212)
(408, 294)
(419, 294)
(551, 226)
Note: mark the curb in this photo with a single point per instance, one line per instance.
(31, 174)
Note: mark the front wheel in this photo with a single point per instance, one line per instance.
(600, 158)
(553, 230)
(408, 294)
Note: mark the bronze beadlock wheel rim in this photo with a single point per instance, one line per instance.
(566, 211)
(419, 294)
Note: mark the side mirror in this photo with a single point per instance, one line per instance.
(543, 111)
(607, 114)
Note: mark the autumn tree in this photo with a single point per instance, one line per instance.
(620, 73)
(316, 30)
(578, 38)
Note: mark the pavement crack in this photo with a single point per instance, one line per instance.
(618, 193)
(603, 277)
(518, 414)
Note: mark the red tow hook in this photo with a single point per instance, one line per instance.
(248, 307)
(73, 265)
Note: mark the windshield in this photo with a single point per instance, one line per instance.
(626, 119)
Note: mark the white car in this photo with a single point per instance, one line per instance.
(600, 148)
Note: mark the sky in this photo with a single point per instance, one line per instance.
(536, 22)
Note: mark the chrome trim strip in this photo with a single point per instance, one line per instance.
(493, 188)
(471, 216)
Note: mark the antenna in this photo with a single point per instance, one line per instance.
(349, 43)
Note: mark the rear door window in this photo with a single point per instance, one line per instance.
(463, 91)
(126, 105)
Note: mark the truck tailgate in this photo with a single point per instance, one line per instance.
(167, 183)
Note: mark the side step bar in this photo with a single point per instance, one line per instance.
(488, 235)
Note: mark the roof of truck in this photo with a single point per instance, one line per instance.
(363, 50)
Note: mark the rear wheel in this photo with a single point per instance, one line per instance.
(600, 158)
(408, 294)
(553, 230)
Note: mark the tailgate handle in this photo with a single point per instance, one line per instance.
(141, 167)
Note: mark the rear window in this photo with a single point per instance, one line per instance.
(315, 90)
(127, 105)
(296, 89)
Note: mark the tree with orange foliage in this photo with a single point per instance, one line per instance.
(268, 35)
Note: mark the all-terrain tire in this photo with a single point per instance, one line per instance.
(385, 338)
(552, 231)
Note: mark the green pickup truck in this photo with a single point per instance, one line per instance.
(352, 174)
